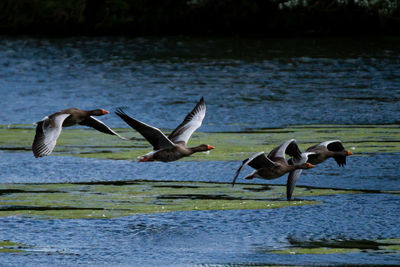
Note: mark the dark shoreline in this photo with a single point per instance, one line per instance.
(267, 18)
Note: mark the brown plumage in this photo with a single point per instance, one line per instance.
(275, 164)
(49, 129)
(315, 155)
(328, 149)
(173, 147)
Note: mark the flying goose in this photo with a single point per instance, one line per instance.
(173, 147)
(49, 128)
(275, 164)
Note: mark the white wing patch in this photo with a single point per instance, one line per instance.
(46, 137)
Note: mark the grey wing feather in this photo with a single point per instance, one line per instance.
(291, 182)
(294, 175)
(257, 161)
(289, 147)
(152, 134)
(47, 132)
(100, 126)
(191, 123)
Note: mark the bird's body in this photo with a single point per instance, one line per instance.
(49, 129)
(281, 168)
(173, 147)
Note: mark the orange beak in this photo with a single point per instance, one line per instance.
(309, 165)
(210, 147)
(104, 111)
(349, 153)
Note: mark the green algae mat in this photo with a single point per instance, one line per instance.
(85, 142)
(386, 246)
(115, 199)
(339, 247)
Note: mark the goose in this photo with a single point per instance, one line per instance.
(315, 155)
(174, 146)
(328, 149)
(275, 164)
(49, 128)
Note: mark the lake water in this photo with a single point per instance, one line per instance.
(247, 84)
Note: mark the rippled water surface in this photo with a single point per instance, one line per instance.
(248, 84)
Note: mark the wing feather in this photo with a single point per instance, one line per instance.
(289, 147)
(47, 133)
(260, 161)
(100, 126)
(191, 123)
(152, 134)
(295, 175)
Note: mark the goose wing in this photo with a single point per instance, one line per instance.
(294, 175)
(100, 126)
(333, 145)
(336, 146)
(191, 123)
(47, 132)
(257, 161)
(152, 134)
(289, 147)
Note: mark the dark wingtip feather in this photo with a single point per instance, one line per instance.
(119, 110)
(238, 171)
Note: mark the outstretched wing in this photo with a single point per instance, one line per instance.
(294, 175)
(152, 134)
(47, 132)
(257, 161)
(100, 126)
(190, 124)
(289, 147)
(336, 146)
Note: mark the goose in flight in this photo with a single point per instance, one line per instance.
(49, 129)
(315, 155)
(174, 146)
(275, 164)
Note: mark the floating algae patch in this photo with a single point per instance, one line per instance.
(115, 199)
(7, 246)
(315, 251)
(86, 142)
(340, 246)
